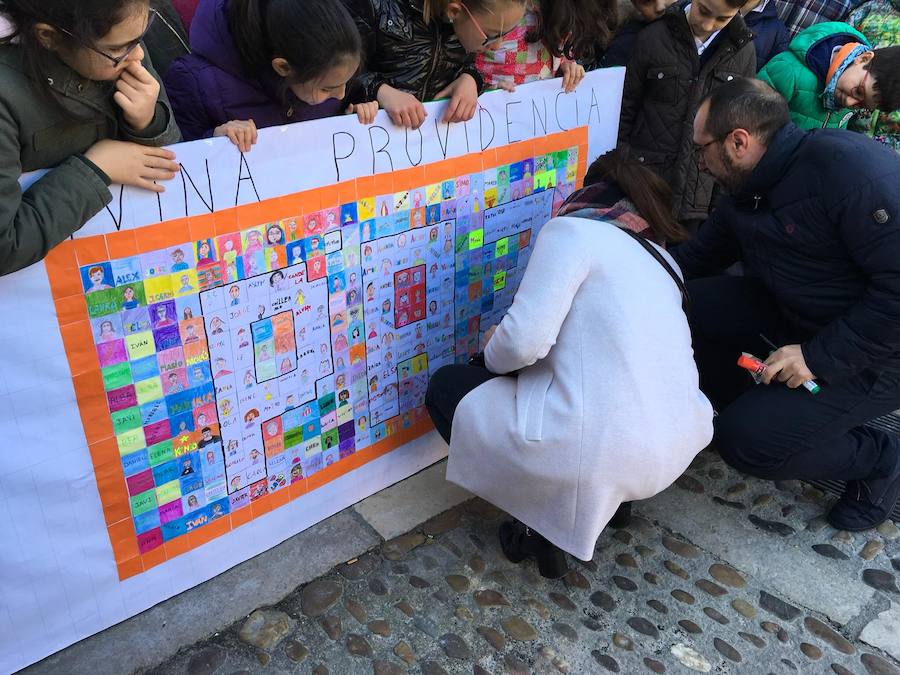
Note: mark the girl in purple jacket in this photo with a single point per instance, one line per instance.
(258, 63)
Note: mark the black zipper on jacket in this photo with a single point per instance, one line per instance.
(434, 60)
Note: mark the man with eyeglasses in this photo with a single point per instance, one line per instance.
(814, 216)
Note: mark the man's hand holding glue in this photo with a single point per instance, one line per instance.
(787, 365)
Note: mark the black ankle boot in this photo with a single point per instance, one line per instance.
(622, 517)
(518, 543)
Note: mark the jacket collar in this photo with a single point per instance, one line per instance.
(774, 163)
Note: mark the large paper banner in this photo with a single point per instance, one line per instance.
(198, 375)
(226, 365)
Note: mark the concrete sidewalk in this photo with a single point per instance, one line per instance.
(719, 573)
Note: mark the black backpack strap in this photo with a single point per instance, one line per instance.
(651, 249)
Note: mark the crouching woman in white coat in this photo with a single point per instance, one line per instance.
(588, 397)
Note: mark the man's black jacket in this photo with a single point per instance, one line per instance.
(818, 222)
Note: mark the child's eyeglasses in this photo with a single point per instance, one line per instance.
(128, 49)
(488, 39)
(859, 91)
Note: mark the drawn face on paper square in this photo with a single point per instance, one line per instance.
(228, 247)
(331, 219)
(162, 314)
(278, 283)
(275, 235)
(316, 268)
(216, 325)
(367, 230)
(191, 330)
(417, 218)
(185, 283)
(132, 295)
(181, 257)
(314, 223)
(337, 283)
(433, 214)
(294, 252)
(275, 258)
(254, 263)
(252, 241)
(187, 307)
(313, 246)
(97, 277)
(174, 381)
(206, 254)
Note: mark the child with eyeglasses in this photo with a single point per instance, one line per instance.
(78, 97)
(830, 69)
(879, 21)
(422, 50)
(553, 39)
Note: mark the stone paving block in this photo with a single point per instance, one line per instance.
(884, 631)
(659, 596)
(835, 589)
(409, 503)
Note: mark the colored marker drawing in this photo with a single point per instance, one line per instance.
(244, 363)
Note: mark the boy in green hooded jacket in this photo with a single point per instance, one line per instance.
(830, 69)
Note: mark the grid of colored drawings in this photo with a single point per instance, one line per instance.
(243, 364)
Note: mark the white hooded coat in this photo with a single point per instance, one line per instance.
(608, 407)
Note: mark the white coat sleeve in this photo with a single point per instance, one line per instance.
(557, 268)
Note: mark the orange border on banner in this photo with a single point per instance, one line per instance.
(63, 262)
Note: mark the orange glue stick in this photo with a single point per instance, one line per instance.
(752, 364)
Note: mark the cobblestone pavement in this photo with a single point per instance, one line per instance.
(721, 573)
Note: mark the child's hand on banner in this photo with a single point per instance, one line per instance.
(463, 93)
(364, 111)
(132, 164)
(242, 133)
(572, 74)
(404, 109)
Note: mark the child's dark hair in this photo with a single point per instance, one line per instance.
(85, 22)
(435, 9)
(885, 70)
(574, 28)
(311, 35)
(650, 194)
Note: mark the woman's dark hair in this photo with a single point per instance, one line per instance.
(650, 194)
(574, 29)
(311, 35)
(86, 21)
